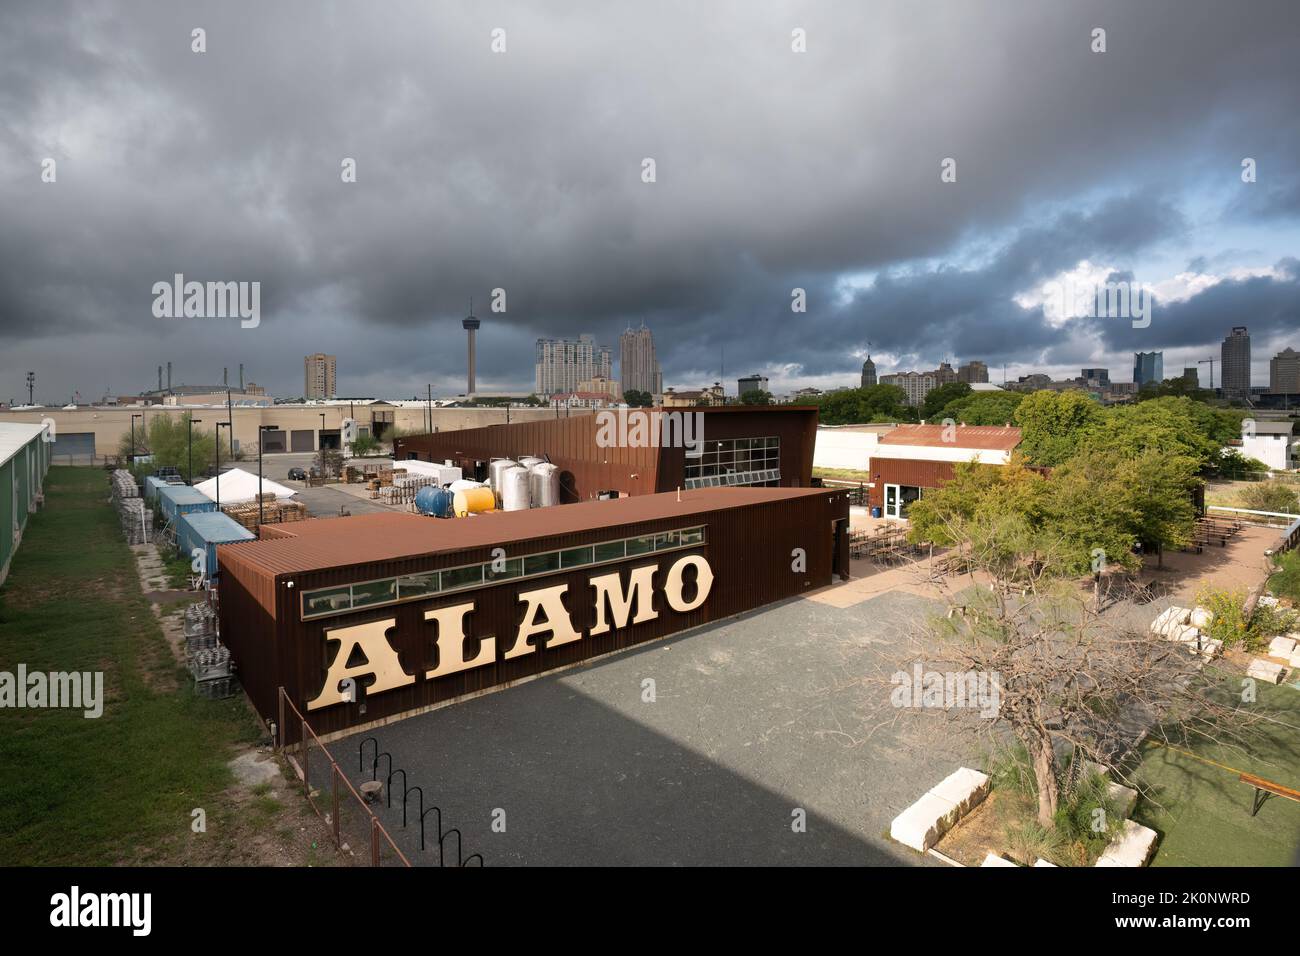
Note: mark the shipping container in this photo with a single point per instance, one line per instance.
(205, 530)
(290, 605)
(177, 500)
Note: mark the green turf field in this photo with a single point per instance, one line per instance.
(1205, 818)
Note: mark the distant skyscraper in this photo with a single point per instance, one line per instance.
(751, 383)
(916, 385)
(318, 376)
(1284, 372)
(1096, 377)
(868, 373)
(1192, 376)
(973, 372)
(1148, 367)
(563, 364)
(1235, 361)
(638, 368)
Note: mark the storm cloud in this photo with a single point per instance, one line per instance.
(522, 170)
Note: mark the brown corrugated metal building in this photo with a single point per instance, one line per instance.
(290, 603)
(599, 452)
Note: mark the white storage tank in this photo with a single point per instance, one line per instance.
(544, 485)
(528, 461)
(463, 484)
(496, 469)
(514, 492)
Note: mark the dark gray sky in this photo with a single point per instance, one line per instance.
(522, 170)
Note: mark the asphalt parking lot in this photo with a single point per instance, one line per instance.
(751, 721)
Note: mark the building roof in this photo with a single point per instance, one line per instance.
(983, 437)
(14, 435)
(237, 485)
(1273, 428)
(323, 543)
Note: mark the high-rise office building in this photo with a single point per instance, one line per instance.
(318, 376)
(1148, 367)
(973, 372)
(752, 383)
(868, 373)
(916, 385)
(638, 368)
(563, 364)
(1095, 377)
(1234, 360)
(1284, 372)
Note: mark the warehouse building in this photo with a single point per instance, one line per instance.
(24, 461)
(366, 618)
(905, 461)
(641, 451)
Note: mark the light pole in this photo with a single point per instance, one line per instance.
(260, 429)
(190, 468)
(139, 415)
(220, 425)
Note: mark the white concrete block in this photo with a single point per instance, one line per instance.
(921, 824)
(1265, 671)
(1282, 647)
(1045, 863)
(1169, 619)
(1132, 847)
(1186, 634)
(1268, 600)
(992, 860)
(1201, 618)
(964, 787)
(1295, 658)
(1124, 798)
(1212, 649)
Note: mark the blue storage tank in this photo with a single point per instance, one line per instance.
(433, 501)
(206, 530)
(177, 500)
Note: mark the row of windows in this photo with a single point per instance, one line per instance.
(731, 458)
(769, 476)
(347, 597)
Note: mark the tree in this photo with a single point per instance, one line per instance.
(637, 398)
(364, 444)
(937, 398)
(853, 406)
(1054, 423)
(329, 463)
(983, 408)
(1270, 496)
(756, 396)
(167, 440)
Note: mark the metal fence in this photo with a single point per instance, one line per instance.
(331, 794)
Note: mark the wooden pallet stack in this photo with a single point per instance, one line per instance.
(272, 512)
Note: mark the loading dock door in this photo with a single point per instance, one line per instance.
(75, 445)
(273, 441)
(302, 439)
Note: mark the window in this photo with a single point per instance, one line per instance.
(637, 546)
(461, 577)
(374, 592)
(330, 599)
(735, 461)
(333, 600)
(575, 557)
(417, 585)
(512, 569)
(541, 563)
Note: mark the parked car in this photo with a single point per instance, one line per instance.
(297, 474)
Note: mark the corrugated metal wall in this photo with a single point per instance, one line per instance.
(749, 548)
(900, 471)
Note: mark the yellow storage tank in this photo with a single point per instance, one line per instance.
(471, 501)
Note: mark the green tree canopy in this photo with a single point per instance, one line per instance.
(756, 396)
(937, 398)
(1053, 424)
(855, 406)
(983, 408)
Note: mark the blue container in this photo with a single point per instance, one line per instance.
(875, 511)
(433, 501)
(177, 500)
(151, 486)
(206, 530)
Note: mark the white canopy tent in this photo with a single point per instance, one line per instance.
(238, 486)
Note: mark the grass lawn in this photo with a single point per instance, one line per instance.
(112, 789)
(1205, 815)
